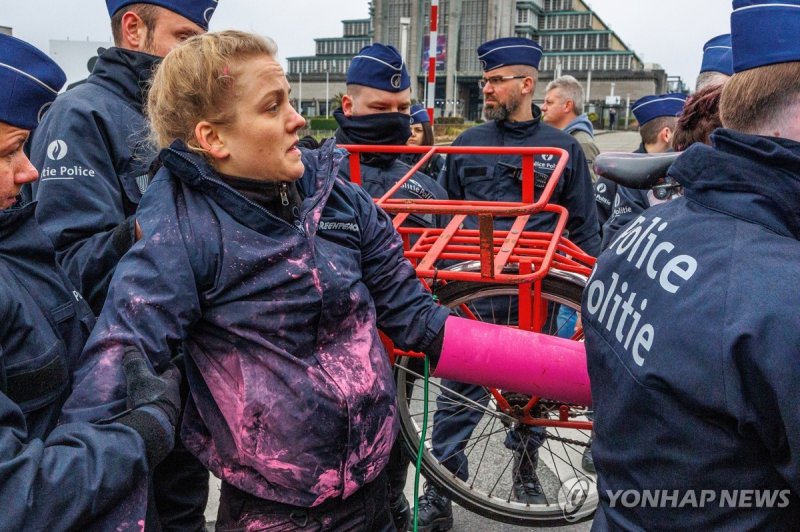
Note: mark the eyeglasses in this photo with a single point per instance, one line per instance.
(494, 80)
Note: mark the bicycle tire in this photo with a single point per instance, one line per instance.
(491, 497)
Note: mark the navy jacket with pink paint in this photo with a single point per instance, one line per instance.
(292, 397)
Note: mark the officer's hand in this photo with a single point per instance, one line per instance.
(137, 230)
(155, 403)
(147, 388)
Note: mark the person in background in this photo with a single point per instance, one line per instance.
(376, 111)
(563, 109)
(94, 159)
(694, 380)
(59, 476)
(657, 116)
(510, 68)
(717, 66)
(422, 135)
(276, 298)
(700, 117)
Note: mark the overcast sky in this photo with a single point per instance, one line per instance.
(669, 33)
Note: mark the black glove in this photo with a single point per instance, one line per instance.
(434, 349)
(309, 142)
(155, 403)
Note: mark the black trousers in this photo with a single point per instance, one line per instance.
(180, 483)
(366, 510)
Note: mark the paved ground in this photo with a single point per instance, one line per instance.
(626, 141)
(465, 521)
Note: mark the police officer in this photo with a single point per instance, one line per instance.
(716, 68)
(375, 111)
(657, 116)
(717, 64)
(422, 135)
(94, 159)
(510, 73)
(91, 147)
(293, 404)
(69, 476)
(692, 340)
(563, 108)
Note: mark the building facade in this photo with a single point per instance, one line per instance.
(317, 79)
(575, 40)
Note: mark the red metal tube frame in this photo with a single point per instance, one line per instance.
(532, 254)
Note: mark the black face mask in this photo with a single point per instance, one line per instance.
(384, 129)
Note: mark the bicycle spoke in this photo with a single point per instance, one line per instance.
(478, 447)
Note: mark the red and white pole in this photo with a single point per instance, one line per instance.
(432, 49)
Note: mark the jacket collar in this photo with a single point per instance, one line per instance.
(521, 129)
(125, 73)
(20, 235)
(751, 177)
(14, 217)
(580, 123)
(321, 168)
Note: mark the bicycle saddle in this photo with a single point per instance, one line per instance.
(634, 170)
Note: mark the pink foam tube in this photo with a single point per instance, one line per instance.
(511, 359)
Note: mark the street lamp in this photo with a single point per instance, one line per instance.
(405, 22)
(327, 97)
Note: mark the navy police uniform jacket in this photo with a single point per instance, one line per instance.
(93, 160)
(432, 168)
(628, 204)
(605, 190)
(52, 477)
(693, 344)
(498, 178)
(292, 397)
(378, 179)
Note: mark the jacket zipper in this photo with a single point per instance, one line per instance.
(254, 204)
(284, 195)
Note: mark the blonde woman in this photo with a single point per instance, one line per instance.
(274, 274)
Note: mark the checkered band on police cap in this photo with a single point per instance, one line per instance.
(29, 82)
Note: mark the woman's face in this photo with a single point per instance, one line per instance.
(261, 143)
(15, 168)
(416, 135)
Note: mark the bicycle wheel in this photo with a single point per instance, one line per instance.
(485, 487)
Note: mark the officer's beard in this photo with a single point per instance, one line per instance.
(502, 111)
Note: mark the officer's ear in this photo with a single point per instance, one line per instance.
(210, 140)
(347, 105)
(133, 31)
(666, 136)
(528, 85)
